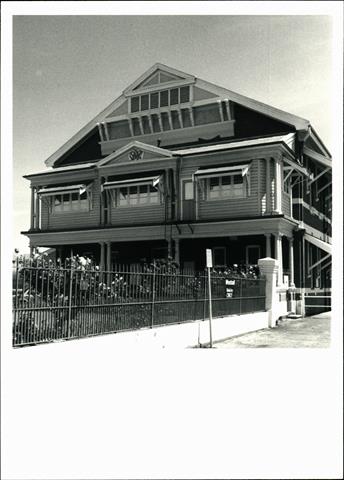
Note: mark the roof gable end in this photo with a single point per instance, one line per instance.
(170, 77)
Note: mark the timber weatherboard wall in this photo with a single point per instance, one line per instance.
(74, 219)
(286, 204)
(139, 214)
(233, 207)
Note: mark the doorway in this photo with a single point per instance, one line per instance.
(188, 200)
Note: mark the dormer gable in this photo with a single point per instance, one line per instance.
(136, 152)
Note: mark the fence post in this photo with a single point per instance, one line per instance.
(70, 301)
(153, 296)
(269, 269)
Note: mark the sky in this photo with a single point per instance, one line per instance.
(66, 69)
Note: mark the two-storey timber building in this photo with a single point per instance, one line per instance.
(176, 165)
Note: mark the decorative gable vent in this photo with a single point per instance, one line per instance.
(135, 154)
(157, 78)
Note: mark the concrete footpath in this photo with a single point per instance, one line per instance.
(307, 332)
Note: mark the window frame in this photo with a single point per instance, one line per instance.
(70, 208)
(148, 203)
(159, 92)
(245, 187)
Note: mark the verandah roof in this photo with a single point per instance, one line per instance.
(56, 190)
(215, 172)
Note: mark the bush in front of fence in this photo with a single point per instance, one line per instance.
(64, 299)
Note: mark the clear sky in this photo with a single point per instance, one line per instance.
(68, 68)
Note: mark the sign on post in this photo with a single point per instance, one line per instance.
(209, 260)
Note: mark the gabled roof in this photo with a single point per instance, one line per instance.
(297, 122)
(139, 146)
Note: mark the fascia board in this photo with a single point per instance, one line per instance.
(298, 122)
(50, 161)
(318, 157)
(315, 137)
(69, 169)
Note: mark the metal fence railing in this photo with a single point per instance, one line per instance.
(54, 301)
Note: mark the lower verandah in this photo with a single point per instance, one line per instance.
(189, 253)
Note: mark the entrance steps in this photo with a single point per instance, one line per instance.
(289, 315)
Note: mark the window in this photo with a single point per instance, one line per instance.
(136, 195)
(174, 96)
(184, 94)
(188, 190)
(144, 102)
(154, 100)
(228, 186)
(219, 256)
(135, 104)
(164, 98)
(71, 202)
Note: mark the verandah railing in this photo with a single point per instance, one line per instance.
(55, 301)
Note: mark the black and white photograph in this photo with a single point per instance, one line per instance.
(171, 239)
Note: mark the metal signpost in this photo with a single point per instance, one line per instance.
(209, 266)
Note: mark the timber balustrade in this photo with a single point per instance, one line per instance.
(55, 301)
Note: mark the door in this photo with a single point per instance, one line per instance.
(188, 212)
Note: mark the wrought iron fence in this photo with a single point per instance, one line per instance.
(55, 301)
